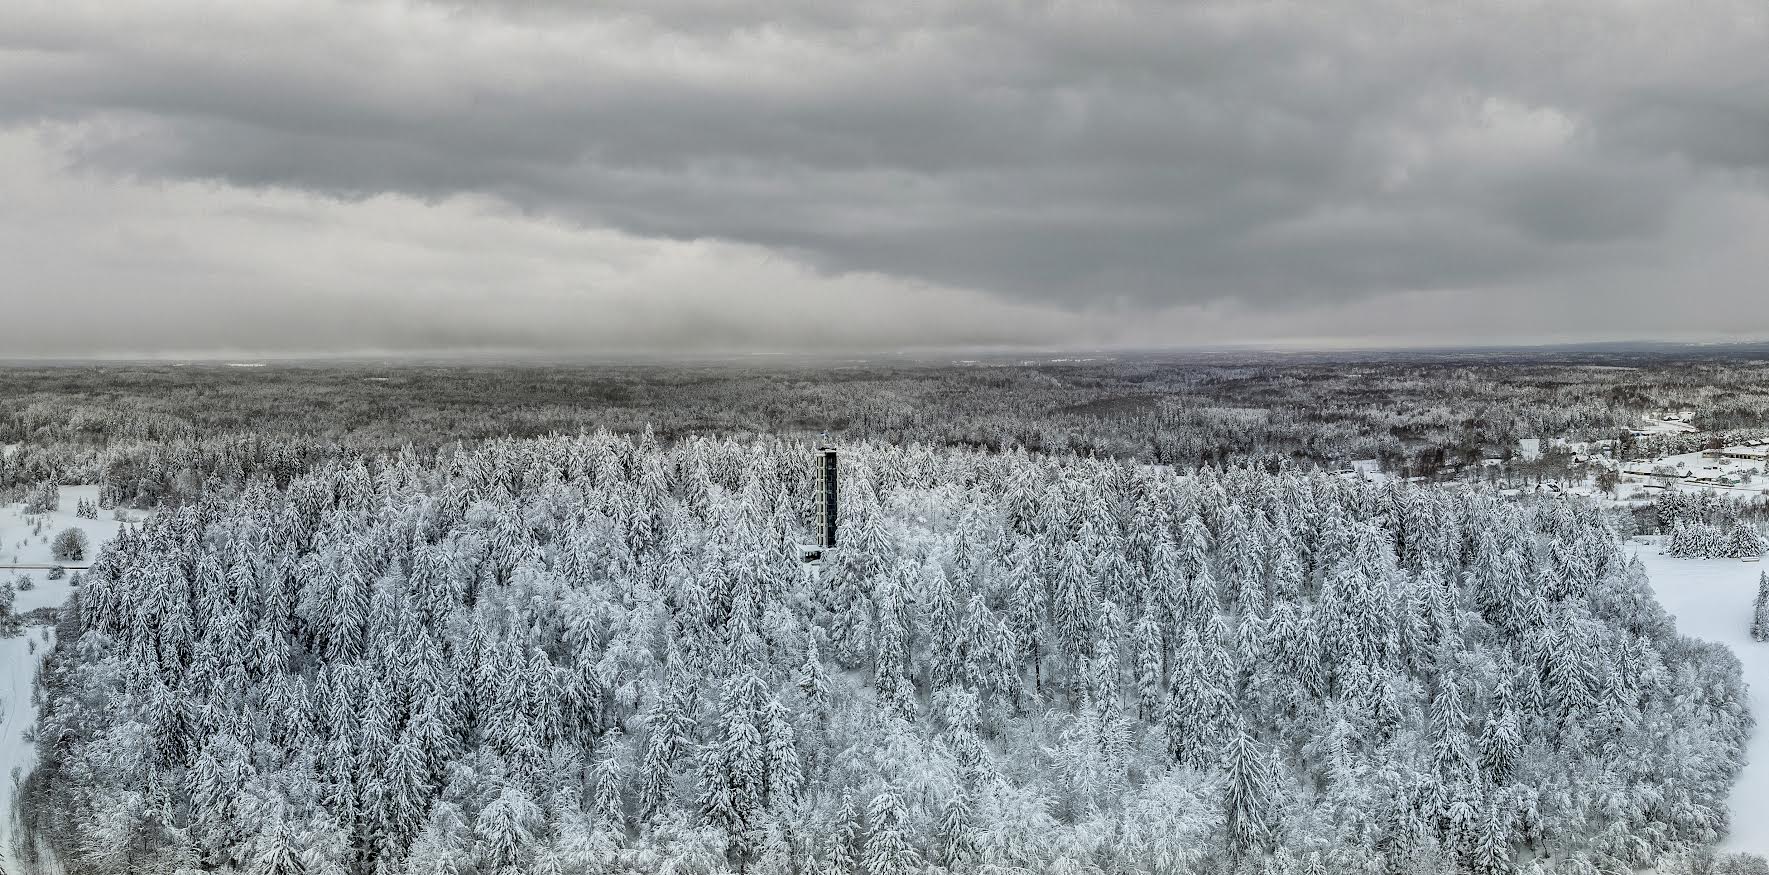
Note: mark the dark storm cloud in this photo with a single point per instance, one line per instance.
(1271, 157)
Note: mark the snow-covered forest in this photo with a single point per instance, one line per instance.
(732, 437)
(602, 654)
(1703, 526)
(158, 433)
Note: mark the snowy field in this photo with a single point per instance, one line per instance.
(1655, 425)
(19, 545)
(1712, 599)
(20, 654)
(1693, 465)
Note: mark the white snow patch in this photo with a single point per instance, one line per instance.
(1659, 425)
(1712, 599)
(1368, 469)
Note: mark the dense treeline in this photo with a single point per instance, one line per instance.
(1702, 525)
(156, 430)
(602, 654)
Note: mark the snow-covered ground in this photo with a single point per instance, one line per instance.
(19, 657)
(1712, 599)
(21, 654)
(21, 545)
(1696, 465)
(1367, 469)
(1659, 425)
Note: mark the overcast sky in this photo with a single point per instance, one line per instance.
(686, 175)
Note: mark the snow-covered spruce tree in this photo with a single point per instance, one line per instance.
(1678, 540)
(1250, 796)
(1743, 541)
(1760, 614)
(1697, 540)
(45, 497)
(887, 850)
(582, 654)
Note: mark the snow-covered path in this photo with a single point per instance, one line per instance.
(1712, 599)
(19, 657)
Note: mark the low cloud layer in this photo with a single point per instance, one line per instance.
(686, 175)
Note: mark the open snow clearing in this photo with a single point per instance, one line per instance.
(1712, 599)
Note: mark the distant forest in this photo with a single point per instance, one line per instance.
(156, 431)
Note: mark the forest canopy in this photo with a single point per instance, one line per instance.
(602, 653)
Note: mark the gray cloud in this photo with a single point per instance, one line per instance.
(1111, 171)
